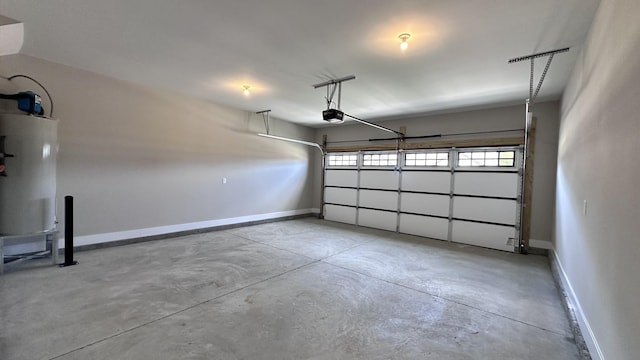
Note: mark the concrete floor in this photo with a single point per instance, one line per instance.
(301, 289)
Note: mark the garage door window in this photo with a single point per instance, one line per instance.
(439, 159)
(384, 159)
(486, 159)
(342, 160)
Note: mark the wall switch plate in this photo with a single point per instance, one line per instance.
(584, 208)
(224, 180)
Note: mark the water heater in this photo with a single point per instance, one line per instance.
(28, 150)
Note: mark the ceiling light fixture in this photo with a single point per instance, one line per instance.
(246, 89)
(404, 37)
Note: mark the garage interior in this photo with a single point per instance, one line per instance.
(452, 204)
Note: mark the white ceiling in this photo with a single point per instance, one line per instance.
(457, 55)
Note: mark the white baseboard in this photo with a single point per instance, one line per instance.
(587, 333)
(169, 229)
(541, 244)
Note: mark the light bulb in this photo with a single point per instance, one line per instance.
(246, 89)
(404, 44)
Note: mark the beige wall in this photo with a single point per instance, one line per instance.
(137, 158)
(599, 139)
(502, 118)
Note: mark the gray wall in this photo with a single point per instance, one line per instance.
(135, 158)
(599, 130)
(502, 118)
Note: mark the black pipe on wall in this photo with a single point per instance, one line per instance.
(68, 232)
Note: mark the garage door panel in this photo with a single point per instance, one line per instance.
(341, 214)
(427, 204)
(426, 181)
(486, 235)
(435, 228)
(341, 196)
(387, 180)
(377, 219)
(482, 209)
(341, 178)
(487, 184)
(387, 200)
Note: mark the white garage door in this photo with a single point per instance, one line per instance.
(462, 195)
(341, 195)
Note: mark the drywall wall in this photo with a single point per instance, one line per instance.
(137, 158)
(495, 119)
(598, 249)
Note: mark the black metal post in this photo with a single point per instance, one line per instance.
(68, 232)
